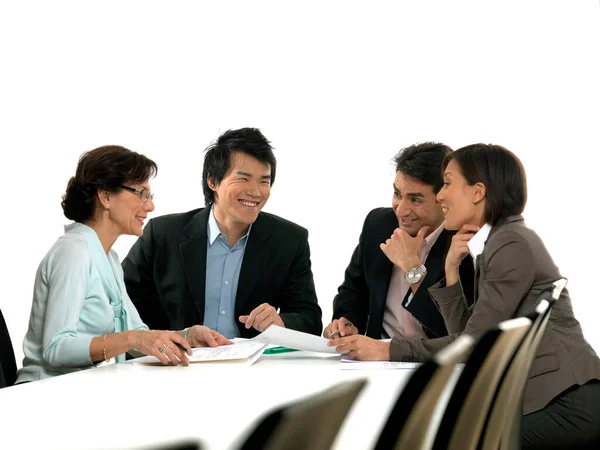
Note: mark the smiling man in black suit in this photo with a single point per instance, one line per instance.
(400, 253)
(228, 266)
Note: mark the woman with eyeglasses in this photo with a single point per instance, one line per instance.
(81, 314)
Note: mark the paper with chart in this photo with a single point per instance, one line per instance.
(294, 339)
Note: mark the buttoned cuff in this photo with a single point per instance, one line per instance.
(402, 350)
(415, 349)
(445, 295)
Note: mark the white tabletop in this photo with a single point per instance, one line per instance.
(132, 405)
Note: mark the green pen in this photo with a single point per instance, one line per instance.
(275, 350)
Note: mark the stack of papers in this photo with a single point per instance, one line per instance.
(246, 352)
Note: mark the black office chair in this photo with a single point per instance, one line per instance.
(463, 422)
(411, 420)
(308, 424)
(8, 364)
(502, 428)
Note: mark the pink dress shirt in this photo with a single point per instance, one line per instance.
(397, 321)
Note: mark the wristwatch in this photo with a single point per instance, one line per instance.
(416, 274)
(184, 333)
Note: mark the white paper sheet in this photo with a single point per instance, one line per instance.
(240, 339)
(347, 363)
(240, 352)
(298, 340)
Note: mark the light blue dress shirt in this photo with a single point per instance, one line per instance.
(223, 264)
(78, 294)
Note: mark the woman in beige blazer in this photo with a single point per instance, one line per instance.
(483, 196)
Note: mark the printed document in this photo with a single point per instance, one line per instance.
(246, 352)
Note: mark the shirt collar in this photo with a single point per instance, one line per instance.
(477, 242)
(213, 228)
(432, 238)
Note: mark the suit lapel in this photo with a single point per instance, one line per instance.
(435, 263)
(379, 272)
(192, 249)
(420, 305)
(256, 257)
(477, 275)
(380, 275)
(479, 259)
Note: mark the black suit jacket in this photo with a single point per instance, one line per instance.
(8, 365)
(362, 296)
(165, 272)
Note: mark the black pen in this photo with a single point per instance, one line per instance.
(185, 350)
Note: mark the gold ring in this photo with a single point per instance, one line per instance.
(164, 349)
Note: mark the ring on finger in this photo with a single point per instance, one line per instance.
(164, 349)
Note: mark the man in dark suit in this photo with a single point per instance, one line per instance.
(228, 266)
(401, 252)
(8, 365)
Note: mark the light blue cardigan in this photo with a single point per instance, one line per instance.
(78, 294)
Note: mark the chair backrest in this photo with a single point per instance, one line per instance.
(408, 424)
(8, 365)
(502, 429)
(311, 423)
(467, 409)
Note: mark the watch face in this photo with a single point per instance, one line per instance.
(414, 275)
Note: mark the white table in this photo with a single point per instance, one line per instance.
(132, 405)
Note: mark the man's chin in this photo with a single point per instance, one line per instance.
(249, 219)
(411, 230)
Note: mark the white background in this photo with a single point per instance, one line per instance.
(338, 87)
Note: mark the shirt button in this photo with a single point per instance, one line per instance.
(226, 282)
(223, 312)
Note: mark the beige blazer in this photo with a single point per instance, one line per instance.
(510, 273)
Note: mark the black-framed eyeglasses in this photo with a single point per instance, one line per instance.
(143, 194)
